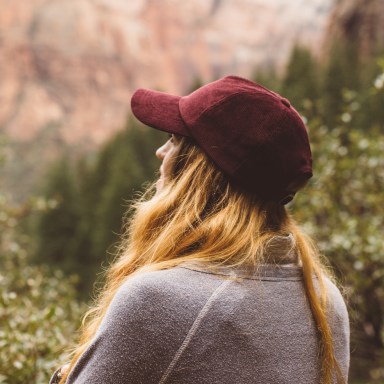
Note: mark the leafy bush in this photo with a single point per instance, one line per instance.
(343, 210)
(38, 311)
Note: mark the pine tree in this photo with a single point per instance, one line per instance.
(371, 99)
(125, 164)
(267, 77)
(301, 81)
(57, 227)
(342, 73)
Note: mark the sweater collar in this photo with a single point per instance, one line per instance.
(281, 262)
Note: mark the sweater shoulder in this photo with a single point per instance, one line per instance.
(168, 293)
(335, 298)
(169, 282)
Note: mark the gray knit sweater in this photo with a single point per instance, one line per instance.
(188, 325)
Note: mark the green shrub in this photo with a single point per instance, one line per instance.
(38, 311)
(343, 209)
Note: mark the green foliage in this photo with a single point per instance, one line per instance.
(38, 311)
(268, 78)
(343, 209)
(87, 203)
(302, 94)
(131, 163)
(371, 100)
(57, 226)
(342, 72)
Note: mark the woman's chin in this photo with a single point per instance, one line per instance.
(159, 185)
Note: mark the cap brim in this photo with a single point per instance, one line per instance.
(158, 110)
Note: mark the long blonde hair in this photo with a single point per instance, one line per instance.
(200, 216)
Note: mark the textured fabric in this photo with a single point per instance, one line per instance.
(192, 325)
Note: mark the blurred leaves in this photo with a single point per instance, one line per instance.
(343, 209)
(38, 311)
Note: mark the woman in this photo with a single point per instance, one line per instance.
(215, 282)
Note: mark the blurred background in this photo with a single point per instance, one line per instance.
(72, 157)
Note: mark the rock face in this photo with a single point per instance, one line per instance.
(359, 21)
(68, 68)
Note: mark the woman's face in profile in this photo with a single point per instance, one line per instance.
(167, 153)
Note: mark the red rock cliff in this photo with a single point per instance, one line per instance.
(68, 67)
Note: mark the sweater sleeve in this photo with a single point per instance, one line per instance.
(339, 321)
(143, 328)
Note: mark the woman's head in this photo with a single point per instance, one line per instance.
(252, 134)
(198, 213)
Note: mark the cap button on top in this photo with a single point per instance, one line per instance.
(286, 102)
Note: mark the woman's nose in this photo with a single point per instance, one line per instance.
(160, 152)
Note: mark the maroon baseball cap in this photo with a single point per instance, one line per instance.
(252, 134)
